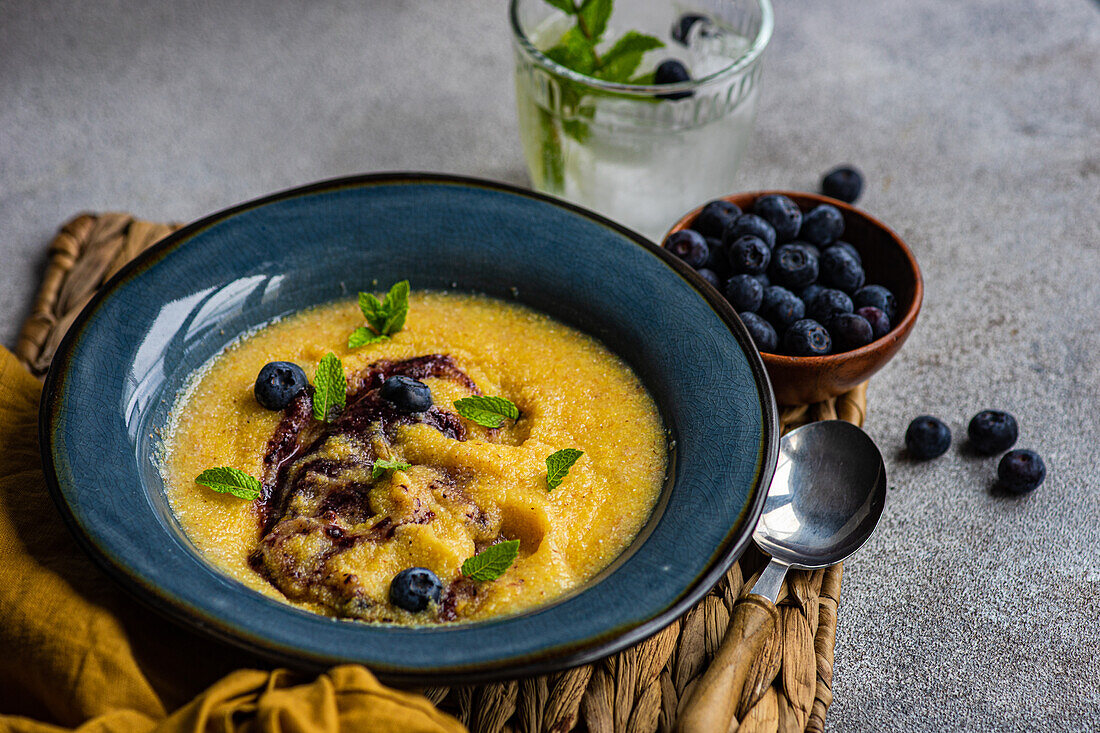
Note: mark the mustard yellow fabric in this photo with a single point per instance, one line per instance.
(76, 653)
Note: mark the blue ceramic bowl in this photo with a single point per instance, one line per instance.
(128, 355)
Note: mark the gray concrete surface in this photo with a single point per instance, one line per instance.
(977, 124)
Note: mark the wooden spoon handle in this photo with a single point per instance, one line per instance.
(713, 701)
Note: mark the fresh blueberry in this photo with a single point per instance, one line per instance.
(716, 258)
(879, 297)
(749, 255)
(822, 225)
(807, 337)
(1021, 471)
(763, 279)
(992, 431)
(413, 588)
(808, 293)
(278, 383)
(850, 331)
(710, 276)
(763, 335)
(844, 183)
(793, 266)
(839, 270)
(880, 324)
(781, 307)
(847, 247)
(750, 224)
(810, 248)
(782, 213)
(681, 30)
(828, 303)
(407, 394)
(715, 217)
(689, 246)
(744, 292)
(927, 437)
(671, 71)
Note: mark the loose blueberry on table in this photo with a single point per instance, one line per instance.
(992, 431)
(927, 437)
(844, 183)
(413, 588)
(1021, 471)
(278, 383)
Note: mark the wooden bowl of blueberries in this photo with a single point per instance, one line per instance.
(828, 293)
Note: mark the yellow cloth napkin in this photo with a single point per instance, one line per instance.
(77, 653)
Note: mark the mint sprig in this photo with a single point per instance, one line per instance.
(558, 465)
(227, 480)
(577, 49)
(492, 562)
(489, 412)
(382, 465)
(384, 317)
(330, 388)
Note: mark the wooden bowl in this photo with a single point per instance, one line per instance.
(888, 261)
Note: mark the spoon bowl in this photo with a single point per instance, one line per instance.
(826, 497)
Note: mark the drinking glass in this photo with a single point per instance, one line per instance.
(641, 154)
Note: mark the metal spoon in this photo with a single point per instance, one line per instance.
(823, 503)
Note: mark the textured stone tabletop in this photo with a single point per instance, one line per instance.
(977, 124)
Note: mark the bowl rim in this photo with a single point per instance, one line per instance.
(904, 324)
(590, 649)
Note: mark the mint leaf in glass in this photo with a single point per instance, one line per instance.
(575, 51)
(558, 465)
(227, 480)
(382, 465)
(490, 563)
(592, 18)
(330, 388)
(623, 58)
(489, 412)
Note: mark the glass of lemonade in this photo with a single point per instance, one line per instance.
(641, 153)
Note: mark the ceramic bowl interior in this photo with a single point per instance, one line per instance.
(888, 261)
(117, 374)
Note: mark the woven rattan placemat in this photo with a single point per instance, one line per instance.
(635, 691)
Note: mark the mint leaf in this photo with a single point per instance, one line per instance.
(623, 59)
(381, 465)
(385, 317)
(558, 465)
(395, 306)
(565, 6)
(330, 387)
(226, 480)
(490, 563)
(592, 18)
(575, 52)
(487, 411)
(364, 336)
